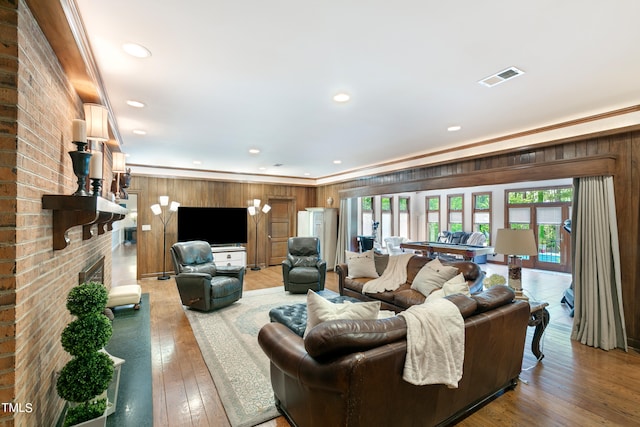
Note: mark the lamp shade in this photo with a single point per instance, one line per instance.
(515, 242)
(156, 209)
(266, 208)
(97, 120)
(252, 210)
(119, 162)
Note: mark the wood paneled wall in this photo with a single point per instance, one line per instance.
(198, 192)
(617, 155)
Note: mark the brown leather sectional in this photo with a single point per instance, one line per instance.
(349, 372)
(403, 297)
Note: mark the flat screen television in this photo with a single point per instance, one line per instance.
(218, 226)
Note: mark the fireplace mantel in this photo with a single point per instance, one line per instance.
(71, 211)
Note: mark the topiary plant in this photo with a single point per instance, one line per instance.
(90, 371)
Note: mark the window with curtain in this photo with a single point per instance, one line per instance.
(455, 212)
(386, 218)
(433, 217)
(366, 215)
(482, 214)
(403, 217)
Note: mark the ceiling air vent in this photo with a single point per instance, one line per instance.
(501, 76)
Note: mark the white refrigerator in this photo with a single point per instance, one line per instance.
(321, 223)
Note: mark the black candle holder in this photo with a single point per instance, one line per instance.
(80, 160)
(96, 185)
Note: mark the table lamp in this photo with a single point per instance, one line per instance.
(515, 244)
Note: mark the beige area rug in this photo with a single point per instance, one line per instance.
(229, 344)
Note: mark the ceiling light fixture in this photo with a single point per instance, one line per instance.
(254, 151)
(136, 50)
(139, 132)
(341, 97)
(136, 104)
(197, 162)
(337, 162)
(454, 128)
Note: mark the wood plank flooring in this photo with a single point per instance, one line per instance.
(574, 385)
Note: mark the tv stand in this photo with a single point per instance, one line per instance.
(230, 255)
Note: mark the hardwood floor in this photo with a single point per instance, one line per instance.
(574, 385)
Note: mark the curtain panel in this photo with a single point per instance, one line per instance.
(598, 316)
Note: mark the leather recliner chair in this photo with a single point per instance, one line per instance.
(303, 269)
(203, 285)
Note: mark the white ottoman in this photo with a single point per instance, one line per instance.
(125, 295)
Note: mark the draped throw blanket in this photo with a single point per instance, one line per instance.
(599, 317)
(435, 343)
(393, 276)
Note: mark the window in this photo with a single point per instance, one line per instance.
(403, 217)
(386, 222)
(482, 214)
(455, 204)
(366, 208)
(433, 218)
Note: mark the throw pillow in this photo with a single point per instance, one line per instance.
(361, 264)
(432, 276)
(456, 285)
(320, 310)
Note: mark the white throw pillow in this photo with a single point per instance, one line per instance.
(361, 264)
(433, 275)
(456, 285)
(321, 310)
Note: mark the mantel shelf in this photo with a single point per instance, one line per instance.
(71, 211)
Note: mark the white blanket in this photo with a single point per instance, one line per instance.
(393, 276)
(435, 343)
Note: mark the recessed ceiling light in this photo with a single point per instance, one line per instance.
(337, 162)
(307, 174)
(454, 128)
(139, 132)
(136, 50)
(136, 104)
(341, 97)
(254, 151)
(197, 162)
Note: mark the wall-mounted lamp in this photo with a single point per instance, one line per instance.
(255, 213)
(160, 209)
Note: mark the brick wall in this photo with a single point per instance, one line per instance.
(37, 105)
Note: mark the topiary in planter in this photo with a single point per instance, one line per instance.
(90, 371)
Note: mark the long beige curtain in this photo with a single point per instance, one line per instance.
(599, 316)
(343, 231)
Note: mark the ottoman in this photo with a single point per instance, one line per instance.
(294, 316)
(125, 295)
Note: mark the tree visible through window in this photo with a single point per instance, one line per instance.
(433, 218)
(404, 217)
(456, 209)
(482, 214)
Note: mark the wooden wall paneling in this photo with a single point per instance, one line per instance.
(616, 154)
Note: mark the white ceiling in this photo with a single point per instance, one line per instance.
(227, 76)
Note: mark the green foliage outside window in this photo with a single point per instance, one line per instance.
(455, 227)
(403, 204)
(482, 201)
(551, 195)
(455, 203)
(385, 203)
(367, 203)
(434, 203)
(433, 230)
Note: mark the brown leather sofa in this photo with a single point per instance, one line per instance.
(403, 297)
(349, 372)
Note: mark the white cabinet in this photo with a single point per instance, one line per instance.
(229, 255)
(321, 223)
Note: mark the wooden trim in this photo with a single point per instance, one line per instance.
(571, 168)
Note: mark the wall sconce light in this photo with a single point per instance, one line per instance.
(97, 118)
(255, 213)
(165, 215)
